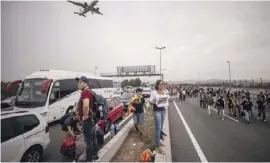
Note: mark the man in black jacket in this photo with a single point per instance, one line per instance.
(220, 106)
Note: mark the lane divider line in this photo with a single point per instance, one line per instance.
(227, 116)
(191, 136)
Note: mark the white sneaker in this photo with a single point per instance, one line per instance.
(223, 119)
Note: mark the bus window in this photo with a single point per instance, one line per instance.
(93, 83)
(106, 83)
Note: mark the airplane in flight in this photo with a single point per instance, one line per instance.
(87, 8)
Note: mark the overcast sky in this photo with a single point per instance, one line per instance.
(199, 36)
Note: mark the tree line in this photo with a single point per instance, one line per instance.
(131, 82)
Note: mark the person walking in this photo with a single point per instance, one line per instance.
(159, 112)
(220, 106)
(245, 105)
(261, 107)
(210, 103)
(138, 103)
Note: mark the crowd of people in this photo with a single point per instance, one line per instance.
(239, 102)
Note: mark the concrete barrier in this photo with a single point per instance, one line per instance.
(109, 150)
(167, 142)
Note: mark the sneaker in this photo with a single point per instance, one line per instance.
(95, 158)
(223, 119)
(264, 120)
(258, 118)
(163, 134)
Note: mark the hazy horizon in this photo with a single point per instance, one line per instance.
(199, 36)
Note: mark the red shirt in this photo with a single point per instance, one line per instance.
(85, 94)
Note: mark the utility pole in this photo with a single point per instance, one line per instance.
(96, 70)
(160, 60)
(230, 72)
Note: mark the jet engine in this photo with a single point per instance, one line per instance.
(97, 8)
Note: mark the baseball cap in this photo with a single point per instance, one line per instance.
(82, 78)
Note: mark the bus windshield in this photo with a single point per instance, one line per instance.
(30, 94)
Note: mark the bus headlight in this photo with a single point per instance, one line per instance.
(44, 114)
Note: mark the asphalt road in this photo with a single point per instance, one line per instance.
(207, 138)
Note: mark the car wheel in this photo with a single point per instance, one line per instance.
(32, 155)
(69, 109)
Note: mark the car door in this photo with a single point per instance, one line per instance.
(55, 103)
(12, 143)
(118, 108)
(112, 113)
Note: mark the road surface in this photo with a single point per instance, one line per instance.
(196, 136)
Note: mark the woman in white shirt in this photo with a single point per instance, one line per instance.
(159, 100)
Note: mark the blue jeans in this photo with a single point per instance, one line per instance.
(246, 117)
(88, 127)
(159, 117)
(138, 118)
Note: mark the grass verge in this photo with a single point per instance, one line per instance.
(134, 144)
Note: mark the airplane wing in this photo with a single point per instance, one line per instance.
(94, 3)
(78, 4)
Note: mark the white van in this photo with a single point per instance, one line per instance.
(53, 93)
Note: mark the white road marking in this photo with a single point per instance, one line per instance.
(191, 136)
(227, 116)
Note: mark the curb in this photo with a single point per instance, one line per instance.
(167, 142)
(109, 150)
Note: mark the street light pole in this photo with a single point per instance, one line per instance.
(96, 70)
(230, 72)
(160, 60)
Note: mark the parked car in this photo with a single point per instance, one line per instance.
(8, 103)
(115, 112)
(24, 136)
(146, 92)
(125, 99)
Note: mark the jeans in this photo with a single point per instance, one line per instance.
(246, 117)
(159, 117)
(261, 111)
(88, 128)
(209, 109)
(221, 108)
(201, 103)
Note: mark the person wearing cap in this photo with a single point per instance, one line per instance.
(85, 112)
(138, 103)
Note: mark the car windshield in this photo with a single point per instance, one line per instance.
(30, 95)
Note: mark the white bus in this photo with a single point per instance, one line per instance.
(54, 93)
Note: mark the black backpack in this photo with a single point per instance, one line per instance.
(99, 101)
